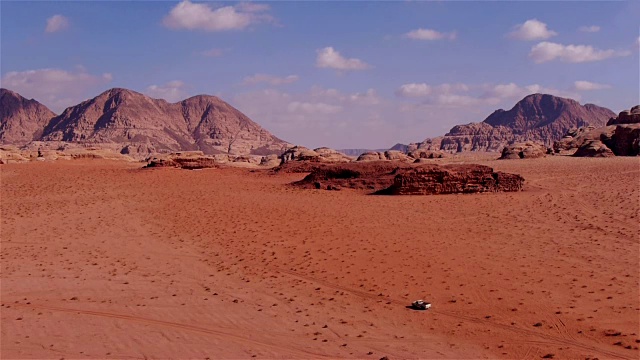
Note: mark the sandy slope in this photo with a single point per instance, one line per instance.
(105, 260)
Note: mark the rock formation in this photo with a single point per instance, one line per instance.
(386, 155)
(622, 138)
(185, 160)
(593, 148)
(368, 175)
(21, 120)
(526, 150)
(140, 123)
(627, 117)
(428, 154)
(398, 178)
(321, 155)
(538, 117)
(453, 179)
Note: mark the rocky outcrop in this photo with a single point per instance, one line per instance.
(625, 140)
(368, 175)
(270, 161)
(428, 154)
(527, 150)
(621, 139)
(476, 137)
(199, 160)
(21, 120)
(184, 160)
(386, 155)
(397, 178)
(140, 126)
(538, 117)
(453, 179)
(320, 155)
(46, 151)
(593, 148)
(627, 117)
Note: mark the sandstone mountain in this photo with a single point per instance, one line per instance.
(538, 117)
(21, 120)
(142, 125)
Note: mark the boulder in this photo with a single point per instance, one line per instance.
(270, 161)
(627, 117)
(624, 141)
(526, 150)
(593, 148)
(371, 156)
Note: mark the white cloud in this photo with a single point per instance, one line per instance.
(531, 30)
(172, 91)
(270, 79)
(190, 16)
(213, 52)
(582, 85)
(56, 23)
(455, 100)
(328, 57)
(511, 91)
(429, 34)
(548, 51)
(369, 97)
(460, 95)
(413, 90)
(590, 29)
(418, 90)
(312, 108)
(55, 88)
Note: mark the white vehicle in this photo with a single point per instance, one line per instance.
(420, 305)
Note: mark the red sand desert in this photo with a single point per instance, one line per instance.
(107, 260)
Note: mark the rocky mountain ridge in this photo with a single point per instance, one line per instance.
(538, 117)
(139, 125)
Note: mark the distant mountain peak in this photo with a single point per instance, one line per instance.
(21, 120)
(133, 120)
(536, 117)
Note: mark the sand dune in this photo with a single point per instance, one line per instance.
(106, 260)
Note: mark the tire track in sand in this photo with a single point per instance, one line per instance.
(173, 325)
(549, 339)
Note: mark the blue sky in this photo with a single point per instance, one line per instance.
(338, 74)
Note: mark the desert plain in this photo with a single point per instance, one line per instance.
(104, 259)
